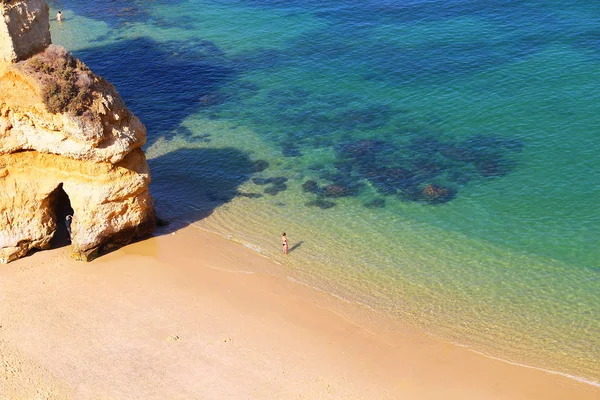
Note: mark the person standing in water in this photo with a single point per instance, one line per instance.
(286, 245)
(59, 16)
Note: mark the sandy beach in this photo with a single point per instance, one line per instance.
(190, 315)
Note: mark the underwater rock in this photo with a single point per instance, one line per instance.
(248, 195)
(361, 148)
(376, 203)
(278, 180)
(337, 191)
(322, 204)
(203, 138)
(311, 186)
(212, 99)
(492, 167)
(275, 189)
(410, 194)
(457, 153)
(261, 181)
(315, 167)
(290, 150)
(437, 194)
(370, 117)
(426, 146)
(260, 165)
(426, 169)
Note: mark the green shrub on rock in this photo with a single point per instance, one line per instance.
(67, 82)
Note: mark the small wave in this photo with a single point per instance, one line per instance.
(549, 371)
(253, 248)
(233, 271)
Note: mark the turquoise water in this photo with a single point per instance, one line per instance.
(436, 161)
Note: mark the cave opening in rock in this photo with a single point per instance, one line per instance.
(61, 205)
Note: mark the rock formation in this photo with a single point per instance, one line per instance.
(24, 29)
(67, 140)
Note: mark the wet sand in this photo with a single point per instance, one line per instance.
(193, 316)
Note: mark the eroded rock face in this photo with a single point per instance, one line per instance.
(24, 29)
(63, 130)
(105, 131)
(111, 203)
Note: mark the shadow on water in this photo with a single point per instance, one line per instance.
(189, 184)
(162, 83)
(294, 247)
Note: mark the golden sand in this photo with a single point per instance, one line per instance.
(191, 316)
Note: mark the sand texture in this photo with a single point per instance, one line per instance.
(190, 316)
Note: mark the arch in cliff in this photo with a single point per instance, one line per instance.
(60, 205)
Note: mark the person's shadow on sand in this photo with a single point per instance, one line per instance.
(294, 247)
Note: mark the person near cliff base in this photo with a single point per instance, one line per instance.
(59, 16)
(286, 245)
(68, 221)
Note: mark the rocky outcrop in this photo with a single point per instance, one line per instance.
(24, 29)
(67, 141)
(36, 112)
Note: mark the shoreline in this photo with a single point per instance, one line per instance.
(363, 312)
(195, 306)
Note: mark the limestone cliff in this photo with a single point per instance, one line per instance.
(54, 104)
(24, 29)
(63, 130)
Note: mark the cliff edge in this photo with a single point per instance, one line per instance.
(68, 145)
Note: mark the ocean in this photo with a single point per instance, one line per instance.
(435, 162)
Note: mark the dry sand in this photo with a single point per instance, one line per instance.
(191, 316)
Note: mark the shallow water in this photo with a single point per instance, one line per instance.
(433, 160)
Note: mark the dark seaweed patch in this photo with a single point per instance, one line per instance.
(275, 188)
(202, 138)
(431, 194)
(248, 195)
(311, 186)
(290, 150)
(424, 169)
(260, 165)
(277, 184)
(298, 119)
(376, 203)
(278, 180)
(370, 117)
(322, 204)
(315, 167)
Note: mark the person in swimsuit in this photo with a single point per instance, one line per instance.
(59, 16)
(286, 245)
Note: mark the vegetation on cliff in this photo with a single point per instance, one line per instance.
(66, 81)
